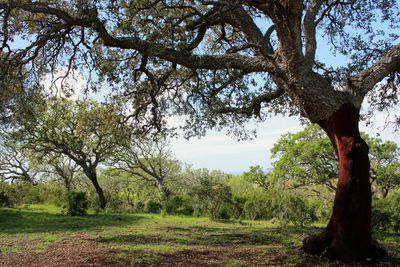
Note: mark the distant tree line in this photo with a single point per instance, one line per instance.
(70, 147)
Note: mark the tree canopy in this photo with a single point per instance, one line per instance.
(85, 132)
(307, 158)
(216, 61)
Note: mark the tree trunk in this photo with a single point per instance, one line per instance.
(165, 192)
(347, 236)
(92, 175)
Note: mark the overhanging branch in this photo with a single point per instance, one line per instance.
(181, 57)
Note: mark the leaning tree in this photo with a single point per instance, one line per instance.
(84, 132)
(222, 62)
(149, 159)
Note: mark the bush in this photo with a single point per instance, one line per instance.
(210, 195)
(77, 203)
(258, 207)
(386, 213)
(237, 209)
(223, 213)
(178, 205)
(294, 209)
(152, 206)
(15, 194)
(4, 200)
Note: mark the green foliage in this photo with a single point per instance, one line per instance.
(223, 213)
(385, 164)
(77, 203)
(386, 212)
(26, 193)
(178, 205)
(125, 192)
(258, 207)
(294, 209)
(4, 199)
(152, 206)
(210, 196)
(86, 132)
(307, 158)
(257, 176)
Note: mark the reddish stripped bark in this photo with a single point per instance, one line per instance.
(348, 234)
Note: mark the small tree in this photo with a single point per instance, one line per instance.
(305, 159)
(85, 132)
(151, 160)
(212, 195)
(60, 168)
(77, 203)
(15, 162)
(257, 176)
(316, 162)
(385, 165)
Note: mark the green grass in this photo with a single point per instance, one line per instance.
(145, 239)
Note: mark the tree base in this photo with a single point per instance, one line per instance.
(322, 245)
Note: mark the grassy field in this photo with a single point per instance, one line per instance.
(38, 235)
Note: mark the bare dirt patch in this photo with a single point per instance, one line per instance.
(64, 253)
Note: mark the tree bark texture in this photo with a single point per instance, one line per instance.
(347, 236)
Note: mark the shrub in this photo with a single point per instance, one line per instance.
(237, 209)
(77, 203)
(293, 208)
(15, 194)
(210, 195)
(4, 200)
(178, 205)
(258, 207)
(152, 206)
(386, 213)
(223, 213)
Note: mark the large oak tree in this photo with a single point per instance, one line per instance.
(222, 62)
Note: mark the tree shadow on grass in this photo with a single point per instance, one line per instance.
(198, 235)
(220, 246)
(20, 221)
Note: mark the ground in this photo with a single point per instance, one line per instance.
(38, 235)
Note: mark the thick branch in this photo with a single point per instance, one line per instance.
(181, 57)
(309, 31)
(255, 105)
(367, 79)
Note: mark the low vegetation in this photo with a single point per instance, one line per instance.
(161, 212)
(39, 235)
